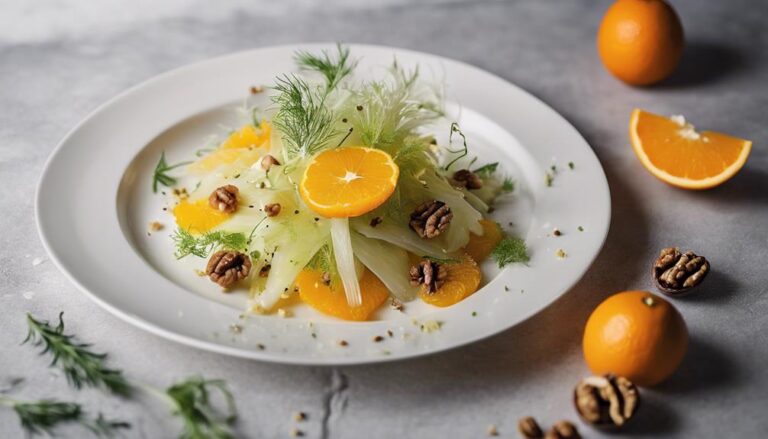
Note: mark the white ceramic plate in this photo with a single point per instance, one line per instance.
(94, 203)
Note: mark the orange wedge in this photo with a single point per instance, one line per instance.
(673, 151)
(349, 181)
(242, 146)
(331, 300)
(480, 247)
(198, 217)
(462, 281)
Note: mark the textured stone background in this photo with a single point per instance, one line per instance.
(60, 59)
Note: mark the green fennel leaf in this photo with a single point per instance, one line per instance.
(160, 176)
(81, 366)
(192, 403)
(510, 250)
(201, 246)
(486, 170)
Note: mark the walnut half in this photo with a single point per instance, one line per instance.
(227, 267)
(606, 400)
(676, 273)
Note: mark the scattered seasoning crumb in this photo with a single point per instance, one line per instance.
(474, 313)
(343, 343)
(155, 226)
(359, 108)
(397, 305)
(284, 313)
(199, 272)
(561, 254)
(299, 416)
(571, 165)
(492, 430)
(313, 334)
(376, 221)
(580, 229)
(236, 329)
(378, 339)
(390, 333)
(506, 288)
(250, 206)
(260, 347)
(430, 326)
(317, 219)
(181, 194)
(295, 432)
(285, 296)
(557, 232)
(344, 120)
(256, 89)
(548, 179)
(296, 212)
(553, 168)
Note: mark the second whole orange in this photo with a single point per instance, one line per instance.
(640, 41)
(637, 335)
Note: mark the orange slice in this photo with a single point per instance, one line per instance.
(349, 181)
(243, 145)
(673, 151)
(480, 247)
(462, 281)
(198, 217)
(331, 300)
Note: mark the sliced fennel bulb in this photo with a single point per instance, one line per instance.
(400, 236)
(388, 262)
(345, 260)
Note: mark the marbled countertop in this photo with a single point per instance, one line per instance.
(60, 59)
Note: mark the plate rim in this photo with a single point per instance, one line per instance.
(265, 355)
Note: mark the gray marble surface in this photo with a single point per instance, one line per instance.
(60, 59)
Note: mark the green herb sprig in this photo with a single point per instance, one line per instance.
(510, 250)
(333, 69)
(41, 417)
(191, 401)
(160, 176)
(201, 246)
(81, 366)
(508, 185)
(486, 171)
(303, 118)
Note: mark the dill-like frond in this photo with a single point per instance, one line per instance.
(201, 246)
(324, 260)
(332, 69)
(302, 117)
(462, 152)
(191, 400)
(42, 416)
(413, 155)
(510, 250)
(508, 185)
(80, 365)
(160, 175)
(387, 111)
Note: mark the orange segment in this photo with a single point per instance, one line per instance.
(349, 181)
(248, 136)
(198, 217)
(331, 300)
(673, 151)
(462, 281)
(480, 247)
(242, 145)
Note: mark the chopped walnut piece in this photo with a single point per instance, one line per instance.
(397, 305)
(529, 428)
(264, 271)
(227, 267)
(428, 273)
(272, 209)
(431, 218)
(468, 179)
(606, 400)
(268, 161)
(224, 199)
(155, 226)
(256, 89)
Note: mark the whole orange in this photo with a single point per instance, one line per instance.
(640, 41)
(637, 335)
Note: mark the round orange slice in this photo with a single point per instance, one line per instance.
(672, 150)
(349, 181)
(331, 300)
(462, 281)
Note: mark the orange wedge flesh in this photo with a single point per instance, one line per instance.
(331, 300)
(350, 181)
(674, 152)
(480, 247)
(244, 145)
(463, 280)
(198, 217)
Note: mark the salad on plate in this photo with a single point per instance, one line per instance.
(339, 195)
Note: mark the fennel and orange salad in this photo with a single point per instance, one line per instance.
(338, 194)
